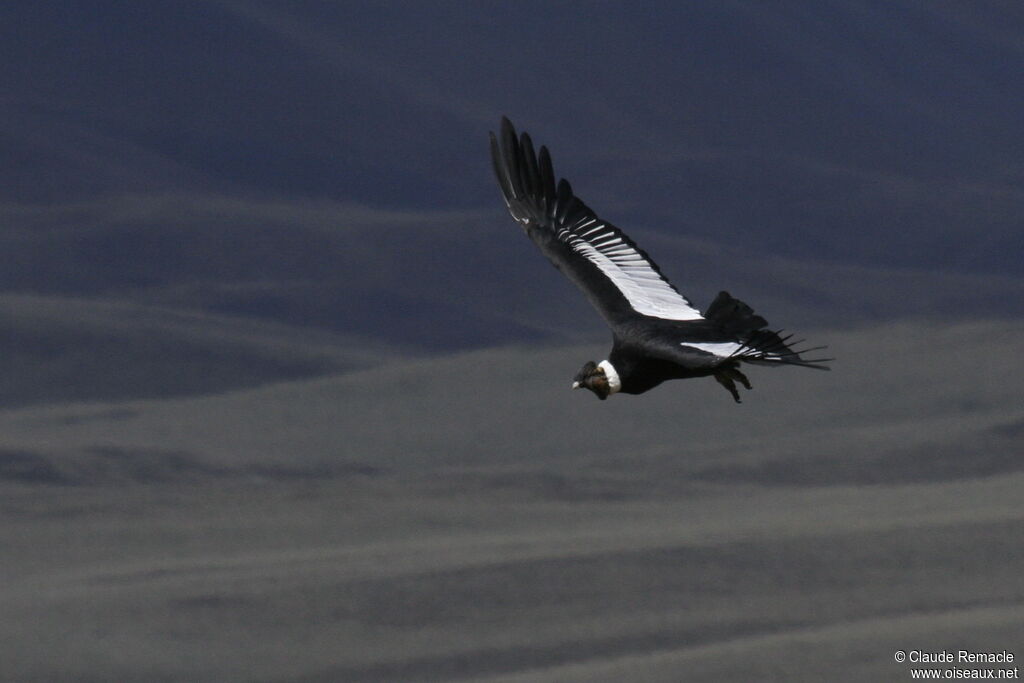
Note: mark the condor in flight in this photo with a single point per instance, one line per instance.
(658, 334)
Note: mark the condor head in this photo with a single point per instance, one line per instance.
(592, 376)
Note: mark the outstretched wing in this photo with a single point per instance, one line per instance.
(731, 332)
(763, 347)
(619, 279)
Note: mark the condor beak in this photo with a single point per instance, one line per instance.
(575, 385)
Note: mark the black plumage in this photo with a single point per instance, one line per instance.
(657, 333)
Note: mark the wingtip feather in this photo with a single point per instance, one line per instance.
(510, 155)
(530, 172)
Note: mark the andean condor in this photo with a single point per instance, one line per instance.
(658, 334)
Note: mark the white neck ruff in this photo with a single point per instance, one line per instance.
(614, 383)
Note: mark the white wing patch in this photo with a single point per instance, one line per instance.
(720, 349)
(726, 350)
(646, 291)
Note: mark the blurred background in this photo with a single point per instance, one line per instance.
(284, 390)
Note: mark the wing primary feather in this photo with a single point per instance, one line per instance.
(547, 180)
(531, 173)
(564, 200)
(510, 152)
(815, 348)
(499, 169)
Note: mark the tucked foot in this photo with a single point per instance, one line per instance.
(728, 375)
(729, 385)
